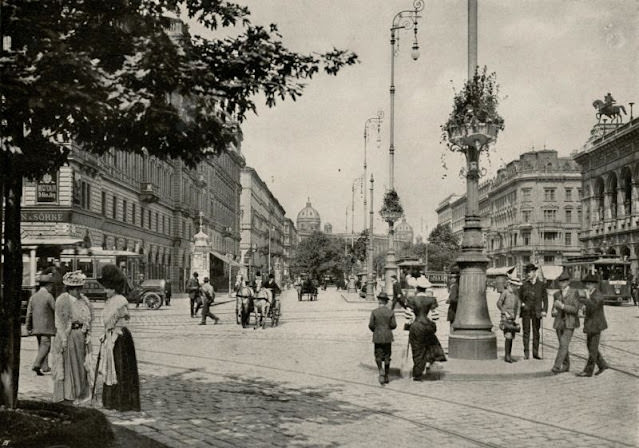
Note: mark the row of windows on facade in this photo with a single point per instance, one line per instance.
(147, 219)
(131, 167)
(547, 238)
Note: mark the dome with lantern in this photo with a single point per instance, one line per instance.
(308, 220)
(404, 232)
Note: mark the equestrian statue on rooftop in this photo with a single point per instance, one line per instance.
(608, 108)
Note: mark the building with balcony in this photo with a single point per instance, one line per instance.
(530, 211)
(609, 163)
(264, 229)
(140, 208)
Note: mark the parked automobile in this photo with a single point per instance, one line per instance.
(153, 293)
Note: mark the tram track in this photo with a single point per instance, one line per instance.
(388, 414)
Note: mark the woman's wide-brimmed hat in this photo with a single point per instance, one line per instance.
(422, 282)
(74, 278)
(112, 277)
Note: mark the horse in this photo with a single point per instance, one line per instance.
(262, 302)
(609, 110)
(247, 306)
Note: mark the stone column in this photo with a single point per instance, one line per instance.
(621, 206)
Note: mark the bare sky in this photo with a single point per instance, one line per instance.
(553, 58)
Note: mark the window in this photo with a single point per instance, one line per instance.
(124, 210)
(148, 216)
(133, 213)
(525, 215)
(550, 215)
(526, 192)
(156, 221)
(549, 259)
(578, 215)
(526, 237)
(550, 237)
(115, 207)
(568, 239)
(568, 215)
(580, 193)
(104, 203)
(549, 194)
(568, 194)
(85, 194)
(142, 217)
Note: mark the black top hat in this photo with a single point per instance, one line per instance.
(590, 278)
(383, 296)
(113, 278)
(563, 277)
(530, 267)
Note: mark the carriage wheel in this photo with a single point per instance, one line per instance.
(152, 300)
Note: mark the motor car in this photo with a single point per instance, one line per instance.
(153, 293)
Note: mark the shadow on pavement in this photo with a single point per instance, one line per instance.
(242, 410)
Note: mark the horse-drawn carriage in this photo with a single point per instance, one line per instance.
(262, 304)
(308, 288)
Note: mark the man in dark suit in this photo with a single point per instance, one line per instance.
(594, 324)
(565, 311)
(382, 323)
(534, 306)
(398, 294)
(193, 288)
(41, 321)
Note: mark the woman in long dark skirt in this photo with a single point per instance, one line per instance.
(119, 367)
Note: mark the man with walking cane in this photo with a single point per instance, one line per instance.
(534, 306)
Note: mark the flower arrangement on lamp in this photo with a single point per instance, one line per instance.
(392, 208)
(474, 120)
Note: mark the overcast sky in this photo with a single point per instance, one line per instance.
(553, 58)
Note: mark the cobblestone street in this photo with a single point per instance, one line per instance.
(311, 382)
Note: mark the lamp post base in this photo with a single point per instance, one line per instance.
(390, 269)
(475, 345)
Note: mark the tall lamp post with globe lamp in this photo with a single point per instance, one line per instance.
(403, 20)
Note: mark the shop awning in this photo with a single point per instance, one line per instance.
(551, 271)
(51, 241)
(504, 270)
(225, 259)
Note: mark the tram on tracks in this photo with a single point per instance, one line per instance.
(613, 272)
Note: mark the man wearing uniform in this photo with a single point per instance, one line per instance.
(534, 306)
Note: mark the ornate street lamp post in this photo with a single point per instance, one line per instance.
(403, 20)
(370, 288)
(377, 121)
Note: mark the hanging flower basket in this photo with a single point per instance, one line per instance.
(392, 208)
(474, 117)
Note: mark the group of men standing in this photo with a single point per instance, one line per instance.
(201, 296)
(568, 306)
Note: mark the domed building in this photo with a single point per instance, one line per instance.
(404, 232)
(308, 221)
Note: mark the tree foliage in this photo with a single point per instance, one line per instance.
(319, 255)
(107, 74)
(443, 248)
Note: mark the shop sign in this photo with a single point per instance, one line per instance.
(45, 216)
(47, 188)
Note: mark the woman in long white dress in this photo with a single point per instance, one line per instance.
(71, 349)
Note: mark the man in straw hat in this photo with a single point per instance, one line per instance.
(41, 321)
(565, 310)
(534, 306)
(382, 323)
(594, 324)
